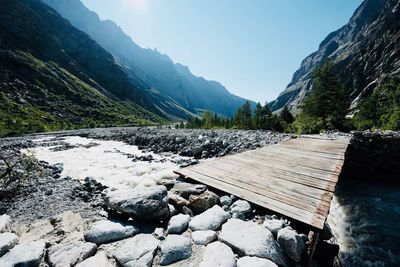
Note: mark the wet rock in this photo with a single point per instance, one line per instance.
(291, 243)
(255, 262)
(211, 219)
(175, 248)
(70, 254)
(98, 260)
(185, 190)
(218, 254)
(24, 255)
(274, 225)
(325, 253)
(240, 207)
(204, 237)
(225, 201)
(7, 242)
(251, 239)
(106, 231)
(178, 224)
(137, 251)
(142, 203)
(5, 223)
(200, 203)
(326, 233)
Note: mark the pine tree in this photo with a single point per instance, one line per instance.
(286, 116)
(257, 116)
(266, 118)
(246, 115)
(207, 120)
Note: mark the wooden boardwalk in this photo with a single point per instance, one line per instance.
(295, 178)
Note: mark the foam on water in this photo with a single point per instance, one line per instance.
(365, 217)
(108, 162)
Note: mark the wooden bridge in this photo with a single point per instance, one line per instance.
(296, 178)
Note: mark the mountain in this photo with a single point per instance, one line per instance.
(365, 53)
(175, 81)
(53, 76)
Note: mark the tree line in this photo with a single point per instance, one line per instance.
(325, 107)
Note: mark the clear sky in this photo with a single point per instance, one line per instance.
(253, 47)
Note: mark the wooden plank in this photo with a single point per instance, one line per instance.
(298, 214)
(306, 153)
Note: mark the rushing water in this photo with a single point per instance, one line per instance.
(365, 217)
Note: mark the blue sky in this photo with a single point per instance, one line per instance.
(252, 47)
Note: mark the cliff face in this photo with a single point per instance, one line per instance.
(365, 53)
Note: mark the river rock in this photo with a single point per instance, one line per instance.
(211, 219)
(178, 224)
(274, 225)
(5, 223)
(204, 237)
(218, 254)
(106, 231)
(177, 200)
(175, 248)
(291, 243)
(200, 203)
(251, 239)
(225, 201)
(142, 203)
(65, 255)
(7, 242)
(159, 233)
(185, 190)
(255, 262)
(98, 260)
(241, 207)
(24, 255)
(172, 210)
(137, 251)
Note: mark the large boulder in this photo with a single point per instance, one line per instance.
(255, 262)
(251, 239)
(106, 231)
(185, 190)
(200, 203)
(274, 225)
(5, 223)
(98, 260)
(175, 248)
(137, 251)
(141, 203)
(218, 254)
(211, 219)
(65, 255)
(204, 237)
(7, 242)
(24, 255)
(178, 223)
(291, 243)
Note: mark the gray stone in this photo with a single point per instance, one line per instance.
(159, 233)
(178, 224)
(239, 216)
(187, 211)
(219, 255)
(172, 210)
(5, 223)
(225, 201)
(255, 262)
(98, 260)
(65, 255)
(7, 242)
(175, 248)
(251, 239)
(185, 190)
(291, 243)
(106, 231)
(137, 251)
(24, 255)
(241, 207)
(142, 203)
(274, 225)
(204, 237)
(200, 203)
(211, 219)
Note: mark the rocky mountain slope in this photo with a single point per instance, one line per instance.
(159, 71)
(365, 53)
(53, 76)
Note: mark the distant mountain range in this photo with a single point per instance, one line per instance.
(173, 81)
(365, 53)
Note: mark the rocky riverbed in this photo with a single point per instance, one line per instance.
(108, 197)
